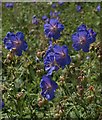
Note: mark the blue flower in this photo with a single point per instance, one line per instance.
(35, 20)
(54, 5)
(92, 35)
(61, 55)
(83, 38)
(48, 87)
(60, 3)
(78, 8)
(56, 57)
(1, 104)
(87, 57)
(98, 8)
(15, 43)
(53, 28)
(9, 5)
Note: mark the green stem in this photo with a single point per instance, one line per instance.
(73, 102)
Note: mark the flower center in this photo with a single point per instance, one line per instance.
(17, 43)
(53, 28)
(63, 55)
(48, 86)
(91, 34)
(82, 40)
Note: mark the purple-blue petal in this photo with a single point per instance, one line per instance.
(18, 52)
(85, 48)
(60, 27)
(81, 27)
(76, 46)
(56, 35)
(75, 37)
(20, 35)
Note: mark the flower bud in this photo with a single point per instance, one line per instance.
(80, 89)
(19, 95)
(57, 115)
(45, 101)
(60, 112)
(65, 97)
(92, 48)
(91, 88)
(40, 99)
(100, 57)
(62, 79)
(40, 72)
(40, 103)
(38, 54)
(90, 98)
(10, 56)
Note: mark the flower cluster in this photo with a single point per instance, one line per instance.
(56, 56)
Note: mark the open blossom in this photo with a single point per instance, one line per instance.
(56, 57)
(35, 20)
(78, 8)
(83, 38)
(15, 43)
(48, 87)
(53, 28)
(98, 8)
(54, 5)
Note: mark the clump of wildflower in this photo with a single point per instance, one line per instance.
(83, 38)
(56, 57)
(48, 87)
(15, 43)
